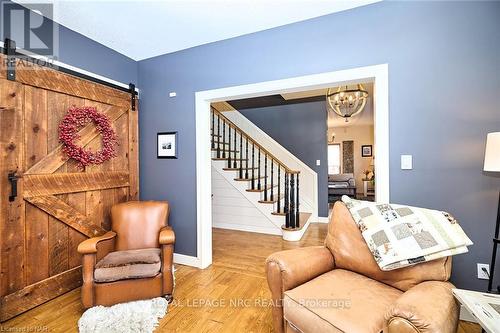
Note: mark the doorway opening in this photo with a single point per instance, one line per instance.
(378, 75)
(352, 150)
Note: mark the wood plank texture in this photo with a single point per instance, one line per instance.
(222, 106)
(11, 213)
(238, 272)
(121, 161)
(57, 104)
(37, 221)
(67, 214)
(46, 78)
(37, 244)
(57, 158)
(42, 185)
(133, 154)
(40, 292)
(58, 247)
(59, 204)
(77, 202)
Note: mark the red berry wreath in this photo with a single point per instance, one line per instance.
(73, 121)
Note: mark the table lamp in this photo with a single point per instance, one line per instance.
(492, 164)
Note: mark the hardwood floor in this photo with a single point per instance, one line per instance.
(229, 296)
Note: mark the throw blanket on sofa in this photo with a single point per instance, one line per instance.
(400, 236)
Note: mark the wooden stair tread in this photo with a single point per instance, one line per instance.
(226, 158)
(303, 217)
(248, 179)
(272, 200)
(221, 143)
(280, 213)
(262, 189)
(226, 150)
(237, 169)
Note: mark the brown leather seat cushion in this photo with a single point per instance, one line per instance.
(339, 301)
(130, 264)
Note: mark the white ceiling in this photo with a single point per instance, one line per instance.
(144, 29)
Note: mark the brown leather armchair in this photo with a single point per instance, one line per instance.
(340, 288)
(133, 261)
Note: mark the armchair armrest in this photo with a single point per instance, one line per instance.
(291, 268)
(167, 236)
(90, 245)
(428, 307)
(167, 240)
(93, 249)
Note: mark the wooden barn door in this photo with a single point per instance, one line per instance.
(57, 204)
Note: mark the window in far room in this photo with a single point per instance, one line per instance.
(334, 159)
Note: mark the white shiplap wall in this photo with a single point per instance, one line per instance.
(232, 210)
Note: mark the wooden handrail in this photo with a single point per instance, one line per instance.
(248, 137)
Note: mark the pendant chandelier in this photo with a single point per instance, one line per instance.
(347, 102)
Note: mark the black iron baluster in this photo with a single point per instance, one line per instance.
(265, 177)
(292, 200)
(213, 129)
(297, 204)
(258, 171)
(272, 180)
(241, 155)
(235, 164)
(253, 165)
(246, 156)
(229, 148)
(218, 136)
(285, 209)
(279, 189)
(224, 138)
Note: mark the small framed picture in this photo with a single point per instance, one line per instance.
(167, 145)
(366, 151)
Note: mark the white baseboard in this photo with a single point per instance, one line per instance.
(271, 230)
(465, 315)
(186, 260)
(321, 219)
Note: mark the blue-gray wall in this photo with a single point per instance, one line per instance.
(444, 60)
(444, 63)
(85, 53)
(300, 128)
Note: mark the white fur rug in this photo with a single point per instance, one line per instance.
(132, 317)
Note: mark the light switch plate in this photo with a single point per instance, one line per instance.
(318, 162)
(406, 162)
(172, 94)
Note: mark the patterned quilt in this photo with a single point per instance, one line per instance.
(400, 236)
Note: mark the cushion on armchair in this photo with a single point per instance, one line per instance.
(130, 264)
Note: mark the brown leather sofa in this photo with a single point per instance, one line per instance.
(339, 287)
(133, 261)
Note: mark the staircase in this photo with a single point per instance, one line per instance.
(272, 187)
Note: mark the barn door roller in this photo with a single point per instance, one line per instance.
(133, 95)
(10, 51)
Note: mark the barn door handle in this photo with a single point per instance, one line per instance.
(13, 186)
